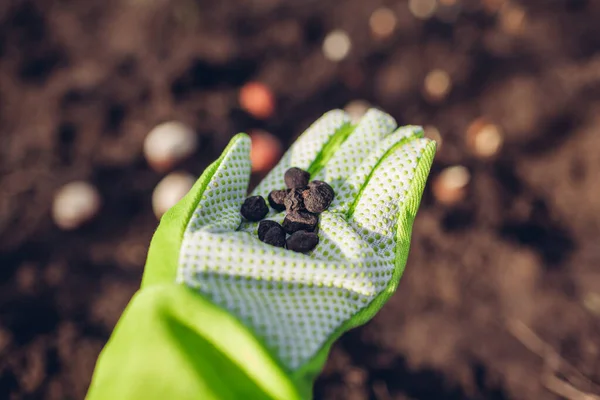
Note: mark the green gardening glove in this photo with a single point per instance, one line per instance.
(221, 314)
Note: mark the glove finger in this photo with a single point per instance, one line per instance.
(305, 150)
(218, 206)
(350, 188)
(372, 128)
(219, 191)
(388, 201)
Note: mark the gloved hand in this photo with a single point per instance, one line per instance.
(221, 314)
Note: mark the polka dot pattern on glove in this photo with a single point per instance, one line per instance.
(294, 302)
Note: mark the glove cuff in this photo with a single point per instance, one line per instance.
(171, 342)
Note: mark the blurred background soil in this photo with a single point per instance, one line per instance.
(501, 295)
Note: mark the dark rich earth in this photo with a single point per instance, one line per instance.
(501, 297)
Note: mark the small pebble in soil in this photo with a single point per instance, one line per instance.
(277, 199)
(169, 143)
(294, 201)
(265, 151)
(300, 221)
(254, 208)
(296, 178)
(317, 197)
(302, 241)
(264, 226)
(75, 204)
(257, 99)
(275, 236)
(170, 190)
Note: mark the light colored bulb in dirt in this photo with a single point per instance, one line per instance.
(591, 301)
(257, 99)
(448, 11)
(433, 133)
(382, 23)
(437, 84)
(5, 339)
(168, 144)
(336, 45)
(265, 151)
(492, 6)
(75, 204)
(450, 186)
(356, 109)
(512, 18)
(422, 9)
(484, 139)
(170, 190)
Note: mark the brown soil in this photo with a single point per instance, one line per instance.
(81, 83)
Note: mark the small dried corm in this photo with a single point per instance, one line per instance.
(254, 208)
(318, 196)
(265, 225)
(302, 241)
(296, 178)
(275, 236)
(294, 200)
(302, 201)
(277, 199)
(300, 221)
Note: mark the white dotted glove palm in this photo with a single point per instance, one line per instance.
(298, 304)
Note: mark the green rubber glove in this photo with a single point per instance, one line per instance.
(223, 315)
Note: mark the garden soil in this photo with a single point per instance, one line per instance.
(501, 295)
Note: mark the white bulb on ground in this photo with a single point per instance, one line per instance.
(433, 133)
(512, 18)
(170, 190)
(437, 84)
(489, 140)
(75, 204)
(422, 9)
(356, 109)
(456, 177)
(168, 144)
(450, 186)
(336, 45)
(484, 138)
(382, 23)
